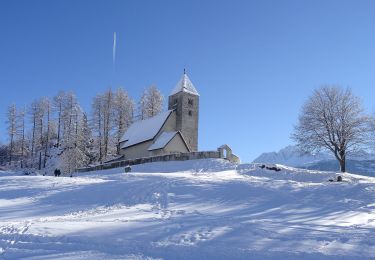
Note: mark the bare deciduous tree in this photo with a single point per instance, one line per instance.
(151, 103)
(47, 135)
(58, 105)
(34, 114)
(123, 114)
(74, 149)
(22, 116)
(107, 100)
(97, 123)
(12, 128)
(332, 119)
(372, 134)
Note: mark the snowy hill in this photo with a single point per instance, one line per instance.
(204, 209)
(359, 163)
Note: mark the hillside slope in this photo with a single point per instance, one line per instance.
(204, 209)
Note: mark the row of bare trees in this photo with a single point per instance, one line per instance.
(57, 132)
(333, 119)
(45, 123)
(113, 113)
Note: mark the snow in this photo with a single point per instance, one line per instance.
(185, 85)
(202, 209)
(162, 140)
(144, 130)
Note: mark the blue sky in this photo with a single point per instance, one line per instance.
(253, 62)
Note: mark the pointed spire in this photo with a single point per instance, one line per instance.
(185, 85)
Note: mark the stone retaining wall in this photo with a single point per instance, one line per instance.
(162, 158)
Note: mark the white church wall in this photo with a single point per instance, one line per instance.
(141, 150)
(170, 124)
(137, 151)
(176, 145)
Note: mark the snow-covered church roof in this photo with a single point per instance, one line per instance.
(144, 130)
(162, 140)
(185, 85)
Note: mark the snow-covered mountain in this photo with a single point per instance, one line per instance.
(203, 209)
(361, 163)
(291, 156)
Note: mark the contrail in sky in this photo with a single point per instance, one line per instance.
(114, 48)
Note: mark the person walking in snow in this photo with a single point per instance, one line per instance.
(57, 172)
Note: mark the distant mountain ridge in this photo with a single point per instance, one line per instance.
(360, 163)
(291, 156)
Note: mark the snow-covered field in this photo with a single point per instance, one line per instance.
(204, 209)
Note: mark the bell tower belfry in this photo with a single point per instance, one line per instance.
(184, 99)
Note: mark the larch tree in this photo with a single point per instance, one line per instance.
(4, 153)
(97, 124)
(37, 113)
(70, 110)
(74, 141)
(40, 115)
(22, 121)
(104, 115)
(87, 140)
(123, 111)
(142, 113)
(34, 112)
(108, 125)
(12, 129)
(74, 153)
(47, 134)
(58, 104)
(332, 119)
(151, 103)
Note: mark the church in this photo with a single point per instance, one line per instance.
(172, 131)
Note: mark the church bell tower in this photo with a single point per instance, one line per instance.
(184, 99)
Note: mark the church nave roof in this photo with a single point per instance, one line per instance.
(144, 130)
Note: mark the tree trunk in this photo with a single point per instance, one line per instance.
(76, 126)
(59, 126)
(41, 135)
(342, 165)
(100, 135)
(47, 139)
(11, 149)
(23, 139)
(40, 161)
(33, 138)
